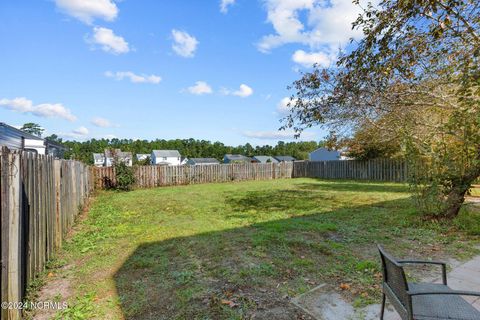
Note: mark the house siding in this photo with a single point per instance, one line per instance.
(14, 139)
(323, 154)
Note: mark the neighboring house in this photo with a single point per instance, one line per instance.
(166, 157)
(323, 154)
(202, 161)
(265, 159)
(285, 158)
(236, 158)
(117, 154)
(16, 139)
(98, 159)
(184, 161)
(142, 156)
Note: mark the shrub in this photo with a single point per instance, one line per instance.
(124, 176)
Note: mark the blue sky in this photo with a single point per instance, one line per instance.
(215, 69)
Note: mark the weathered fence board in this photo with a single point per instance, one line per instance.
(39, 199)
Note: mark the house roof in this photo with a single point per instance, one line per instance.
(237, 157)
(166, 153)
(285, 158)
(265, 159)
(204, 160)
(20, 132)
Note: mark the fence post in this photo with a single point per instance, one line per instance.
(14, 260)
(4, 222)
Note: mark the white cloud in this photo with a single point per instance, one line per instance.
(135, 78)
(326, 27)
(87, 10)
(21, 104)
(309, 59)
(200, 87)
(102, 122)
(184, 44)
(46, 110)
(110, 136)
(224, 4)
(275, 135)
(109, 41)
(81, 131)
(244, 91)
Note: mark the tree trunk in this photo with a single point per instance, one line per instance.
(456, 196)
(454, 201)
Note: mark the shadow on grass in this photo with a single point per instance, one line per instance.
(250, 272)
(353, 186)
(267, 200)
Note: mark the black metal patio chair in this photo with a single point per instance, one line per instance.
(422, 301)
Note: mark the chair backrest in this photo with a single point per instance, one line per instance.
(394, 278)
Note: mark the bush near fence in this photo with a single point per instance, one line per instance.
(40, 198)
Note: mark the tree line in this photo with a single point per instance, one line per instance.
(190, 148)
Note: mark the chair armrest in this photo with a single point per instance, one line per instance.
(444, 292)
(443, 264)
(422, 262)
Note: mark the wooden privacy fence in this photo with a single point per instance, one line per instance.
(375, 170)
(157, 176)
(40, 198)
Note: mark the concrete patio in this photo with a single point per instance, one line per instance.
(322, 303)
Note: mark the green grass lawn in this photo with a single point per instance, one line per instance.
(234, 250)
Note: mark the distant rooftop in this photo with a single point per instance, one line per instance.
(265, 159)
(166, 153)
(285, 158)
(237, 157)
(204, 160)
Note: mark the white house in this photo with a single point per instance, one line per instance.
(323, 154)
(98, 159)
(111, 155)
(166, 157)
